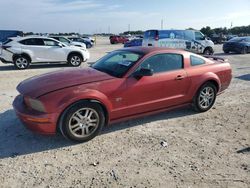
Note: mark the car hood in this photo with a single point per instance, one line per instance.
(78, 44)
(45, 83)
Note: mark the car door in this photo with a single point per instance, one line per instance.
(34, 47)
(166, 87)
(54, 52)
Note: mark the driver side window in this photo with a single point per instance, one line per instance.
(199, 36)
(49, 42)
(163, 63)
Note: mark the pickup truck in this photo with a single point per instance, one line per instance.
(125, 84)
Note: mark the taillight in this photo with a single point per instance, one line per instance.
(157, 37)
(26, 101)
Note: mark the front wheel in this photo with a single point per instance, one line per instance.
(205, 97)
(75, 60)
(21, 62)
(82, 121)
(208, 51)
(88, 46)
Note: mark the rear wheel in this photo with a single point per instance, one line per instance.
(75, 60)
(82, 121)
(244, 50)
(205, 97)
(21, 62)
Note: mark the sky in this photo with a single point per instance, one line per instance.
(102, 16)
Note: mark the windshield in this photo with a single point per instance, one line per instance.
(117, 63)
(150, 34)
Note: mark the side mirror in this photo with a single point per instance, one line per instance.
(60, 45)
(143, 72)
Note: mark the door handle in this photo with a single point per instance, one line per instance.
(179, 77)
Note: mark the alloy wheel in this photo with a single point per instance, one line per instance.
(84, 122)
(206, 97)
(22, 63)
(75, 60)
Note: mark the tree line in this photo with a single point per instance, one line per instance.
(240, 31)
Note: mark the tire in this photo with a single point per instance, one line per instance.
(208, 51)
(21, 62)
(88, 46)
(75, 60)
(205, 97)
(244, 50)
(82, 121)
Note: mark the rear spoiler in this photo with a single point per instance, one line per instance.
(215, 58)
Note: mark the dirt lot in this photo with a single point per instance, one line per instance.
(203, 150)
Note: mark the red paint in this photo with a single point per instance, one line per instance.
(124, 98)
(118, 39)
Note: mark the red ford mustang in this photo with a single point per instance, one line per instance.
(124, 84)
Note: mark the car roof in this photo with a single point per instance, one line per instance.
(246, 37)
(57, 36)
(30, 37)
(147, 50)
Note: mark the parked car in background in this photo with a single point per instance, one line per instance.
(22, 51)
(218, 38)
(89, 39)
(238, 45)
(190, 40)
(115, 39)
(124, 84)
(133, 42)
(79, 39)
(66, 41)
(5, 34)
(231, 36)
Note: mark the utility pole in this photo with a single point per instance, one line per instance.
(161, 24)
(128, 27)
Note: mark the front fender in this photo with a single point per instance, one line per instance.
(58, 101)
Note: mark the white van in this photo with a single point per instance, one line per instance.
(190, 40)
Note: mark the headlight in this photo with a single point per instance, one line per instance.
(34, 104)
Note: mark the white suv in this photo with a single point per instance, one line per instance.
(22, 51)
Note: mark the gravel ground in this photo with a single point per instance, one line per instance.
(180, 148)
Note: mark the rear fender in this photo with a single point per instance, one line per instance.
(207, 77)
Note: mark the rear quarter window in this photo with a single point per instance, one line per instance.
(194, 61)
